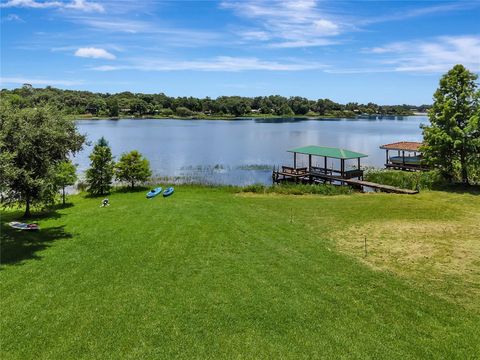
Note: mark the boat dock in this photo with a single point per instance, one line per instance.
(410, 162)
(315, 174)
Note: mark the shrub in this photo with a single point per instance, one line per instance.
(166, 112)
(82, 186)
(132, 168)
(255, 188)
(183, 111)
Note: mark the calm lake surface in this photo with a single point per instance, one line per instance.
(241, 152)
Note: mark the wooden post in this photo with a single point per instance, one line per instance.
(309, 168)
(365, 246)
(294, 160)
(359, 178)
(403, 158)
(342, 168)
(325, 165)
(386, 159)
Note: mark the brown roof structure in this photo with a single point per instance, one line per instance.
(403, 146)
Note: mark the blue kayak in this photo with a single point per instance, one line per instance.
(154, 192)
(168, 192)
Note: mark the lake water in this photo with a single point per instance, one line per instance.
(242, 152)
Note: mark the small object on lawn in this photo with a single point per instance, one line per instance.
(105, 202)
(365, 246)
(154, 192)
(24, 226)
(168, 191)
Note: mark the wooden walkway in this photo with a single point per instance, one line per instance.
(382, 187)
(309, 177)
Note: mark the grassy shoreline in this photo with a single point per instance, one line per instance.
(214, 273)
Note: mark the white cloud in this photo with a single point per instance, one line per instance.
(302, 43)
(82, 5)
(286, 23)
(220, 63)
(116, 25)
(25, 80)
(31, 4)
(109, 67)
(95, 53)
(171, 36)
(310, 23)
(255, 35)
(13, 17)
(85, 6)
(437, 55)
(419, 12)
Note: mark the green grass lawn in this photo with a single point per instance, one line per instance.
(209, 273)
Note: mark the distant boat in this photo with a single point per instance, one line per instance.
(168, 192)
(154, 192)
(407, 160)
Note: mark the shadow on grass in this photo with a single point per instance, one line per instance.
(61, 206)
(125, 189)
(116, 190)
(460, 189)
(49, 213)
(17, 246)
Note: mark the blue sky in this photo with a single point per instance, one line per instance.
(387, 52)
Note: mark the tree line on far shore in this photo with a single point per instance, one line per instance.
(72, 102)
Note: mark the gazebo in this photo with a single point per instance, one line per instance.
(412, 160)
(323, 173)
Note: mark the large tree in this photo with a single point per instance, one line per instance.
(32, 143)
(100, 173)
(452, 140)
(132, 168)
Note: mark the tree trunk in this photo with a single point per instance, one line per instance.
(27, 207)
(463, 163)
(64, 195)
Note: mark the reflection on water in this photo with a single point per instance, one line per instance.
(242, 152)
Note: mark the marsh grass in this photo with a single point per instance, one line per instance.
(255, 167)
(420, 180)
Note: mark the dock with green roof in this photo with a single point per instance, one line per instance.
(322, 173)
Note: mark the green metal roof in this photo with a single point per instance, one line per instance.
(330, 152)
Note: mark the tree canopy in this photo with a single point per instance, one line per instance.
(32, 144)
(100, 174)
(65, 175)
(452, 140)
(132, 168)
